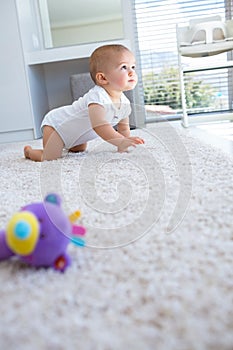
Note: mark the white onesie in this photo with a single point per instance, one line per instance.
(72, 122)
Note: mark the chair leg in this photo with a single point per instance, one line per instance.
(183, 97)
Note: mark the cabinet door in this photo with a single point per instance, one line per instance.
(14, 96)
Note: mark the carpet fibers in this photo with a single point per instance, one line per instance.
(157, 271)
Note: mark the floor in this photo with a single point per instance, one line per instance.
(217, 134)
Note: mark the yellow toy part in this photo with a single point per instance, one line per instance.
(22, 233)
(75, 216)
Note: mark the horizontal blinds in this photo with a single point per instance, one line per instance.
(155, 23)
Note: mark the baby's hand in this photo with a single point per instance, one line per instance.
(128, 142)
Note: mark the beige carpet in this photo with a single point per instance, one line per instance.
(157, 272)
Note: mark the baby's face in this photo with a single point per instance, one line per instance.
(120, 71)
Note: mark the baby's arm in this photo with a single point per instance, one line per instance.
(123, 127)
(101, 126)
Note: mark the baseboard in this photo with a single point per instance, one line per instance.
(15, 136)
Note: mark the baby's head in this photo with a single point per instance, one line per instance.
(102, 58)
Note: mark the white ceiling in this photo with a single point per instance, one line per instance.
(64, 11)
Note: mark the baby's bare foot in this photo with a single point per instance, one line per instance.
(27, 150)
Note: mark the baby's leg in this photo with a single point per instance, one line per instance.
(52, 143)
(79, 148)
(52, 146)
(33, 154)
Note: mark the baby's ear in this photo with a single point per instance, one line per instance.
(53, 198)
(101, 79)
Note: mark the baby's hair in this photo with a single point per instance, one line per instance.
(101, 55)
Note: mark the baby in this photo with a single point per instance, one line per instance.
(112, 68)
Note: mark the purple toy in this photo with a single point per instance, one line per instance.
(40, 233)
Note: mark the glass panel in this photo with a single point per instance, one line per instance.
(72, 22)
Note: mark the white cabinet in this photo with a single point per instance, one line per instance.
(16, 120)
(35, 79)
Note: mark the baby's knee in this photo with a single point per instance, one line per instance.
(79, 148)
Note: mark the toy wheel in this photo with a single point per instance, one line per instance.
(61, 263)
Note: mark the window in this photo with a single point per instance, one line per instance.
(155, 22)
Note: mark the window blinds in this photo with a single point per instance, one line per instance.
(155, 23)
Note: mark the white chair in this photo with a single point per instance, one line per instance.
(201, 38)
